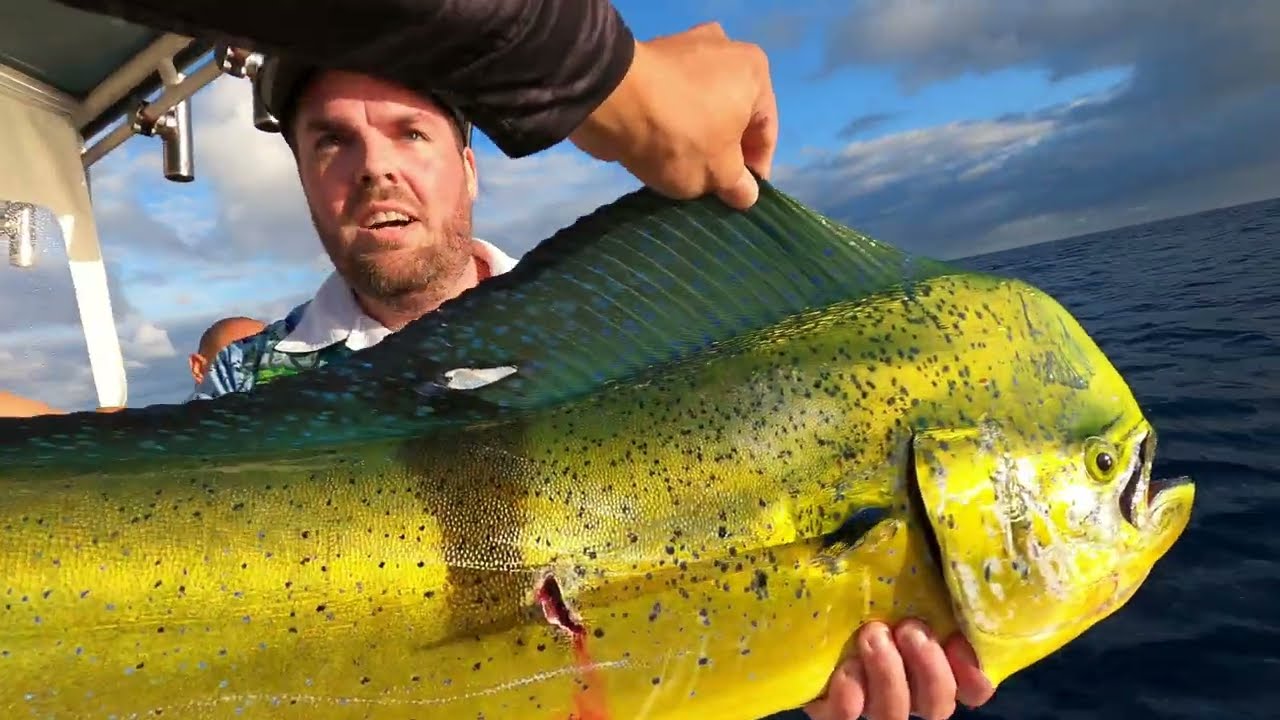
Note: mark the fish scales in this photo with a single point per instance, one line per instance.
(702, 532)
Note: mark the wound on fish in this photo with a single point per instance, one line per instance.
(590, 698)
(554, 607)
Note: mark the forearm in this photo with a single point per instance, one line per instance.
(14, 406)
(526, 72)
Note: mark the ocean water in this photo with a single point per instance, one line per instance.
(1188, 309)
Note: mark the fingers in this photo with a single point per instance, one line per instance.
(929, 675)
(844, 697)
(904, 671)
(695, 115)
(972, 687)
(742, 193)
(760, 138)
(889, 697)
(759, 141)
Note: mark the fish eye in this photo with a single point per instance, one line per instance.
(1104, 462)
(1100, 459)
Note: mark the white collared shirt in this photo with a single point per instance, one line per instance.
(334, 316)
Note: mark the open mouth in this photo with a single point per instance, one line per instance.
(1141, 490)
(1138, 489)
(387, 219)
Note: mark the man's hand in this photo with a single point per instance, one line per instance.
(16, 406)
(891, 675)
(696, 114)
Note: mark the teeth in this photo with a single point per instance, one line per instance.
(1139, 504)
(380, 218)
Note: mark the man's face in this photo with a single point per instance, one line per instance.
(389, 190)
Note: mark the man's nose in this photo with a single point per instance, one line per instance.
(379, 162)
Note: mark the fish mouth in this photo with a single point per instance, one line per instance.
(1135, 496)
(1141, 492)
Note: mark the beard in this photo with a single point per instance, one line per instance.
(424, 266)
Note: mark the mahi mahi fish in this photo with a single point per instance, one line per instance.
(666, 467)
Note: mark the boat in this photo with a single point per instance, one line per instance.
(74, 87)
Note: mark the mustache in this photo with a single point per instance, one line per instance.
(363, 196)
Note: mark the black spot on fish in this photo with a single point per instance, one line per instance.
(855, 527)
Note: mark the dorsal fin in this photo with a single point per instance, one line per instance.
(642, 281)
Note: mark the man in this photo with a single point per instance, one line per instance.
(390, 182)
(688, 114)
(219, 335)
(390, 178)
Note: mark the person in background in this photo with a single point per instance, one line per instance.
(219, 335)
(213, 340)
(16, 406)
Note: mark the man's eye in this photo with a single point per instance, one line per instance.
(416, 135)
(326, 141)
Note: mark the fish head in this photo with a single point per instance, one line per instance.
(1043, 513)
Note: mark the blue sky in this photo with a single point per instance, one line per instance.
(949, 128)
(816, 103)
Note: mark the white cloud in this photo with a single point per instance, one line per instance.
(931, 42)
(51, 367)
(148, 341)
(1186, 131)
(522, 202)
(957, 151)
(974, 187)
(260, 209)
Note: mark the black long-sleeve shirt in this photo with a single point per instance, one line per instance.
(526, 72)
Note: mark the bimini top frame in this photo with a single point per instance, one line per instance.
(68, 77)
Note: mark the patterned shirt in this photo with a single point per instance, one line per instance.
(328, 327)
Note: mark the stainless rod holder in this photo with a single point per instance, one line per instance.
(18, 223)
(262, 117)
(174, 130)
